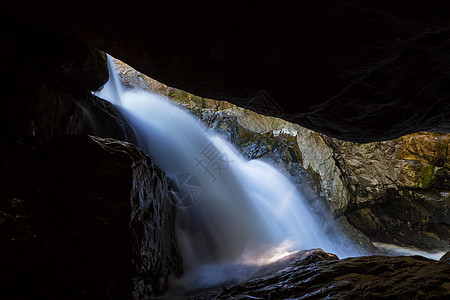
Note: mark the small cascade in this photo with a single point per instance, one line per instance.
(113, 89)
(394, 250)
(231, 211)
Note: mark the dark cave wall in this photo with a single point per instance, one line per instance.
(48, 84)
(356, 70)
(72, 222)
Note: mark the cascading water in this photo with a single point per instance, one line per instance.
(230, 210)
(113, 90)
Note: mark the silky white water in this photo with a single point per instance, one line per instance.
(230, 210)
(394, 250)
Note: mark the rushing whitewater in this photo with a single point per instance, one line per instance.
(231, 210)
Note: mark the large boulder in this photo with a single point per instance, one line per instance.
(317, 275)
(85, 218)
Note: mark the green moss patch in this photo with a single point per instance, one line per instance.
(427, 176)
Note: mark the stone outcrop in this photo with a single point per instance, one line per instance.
(362, 70)
(394, 192)
(315, 274)
(400, 188)
(84, 218)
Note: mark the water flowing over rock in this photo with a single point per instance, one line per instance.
(89, 218)
(370, 185)
(394, 192)
(234, 218)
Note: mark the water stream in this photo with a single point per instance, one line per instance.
(231, 211)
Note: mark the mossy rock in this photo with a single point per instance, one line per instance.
(427, 176)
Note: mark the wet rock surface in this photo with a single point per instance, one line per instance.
(362, 71)
(85, 218)
(315, 274)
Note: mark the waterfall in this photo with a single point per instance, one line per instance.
(230, 210)
(113, 89)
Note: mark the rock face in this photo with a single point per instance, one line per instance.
(316, 275)
(394, 192)
(400, 188)
(97, 225)
(361, 70)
